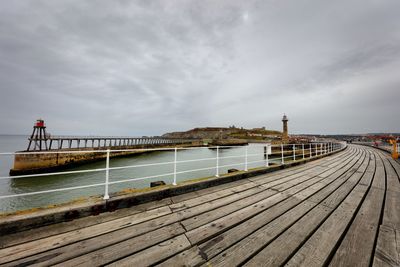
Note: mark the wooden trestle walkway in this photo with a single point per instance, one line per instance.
(343, 210)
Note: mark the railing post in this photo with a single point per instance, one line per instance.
(217, 172)
(294, 152)
(266, 157)
(310, 150)
(245, 156)
(106, 195)
(175, 160)
(282, 158)
(302, 147)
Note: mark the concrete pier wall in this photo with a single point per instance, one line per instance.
(32, 163)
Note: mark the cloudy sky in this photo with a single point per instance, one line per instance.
(148, 67)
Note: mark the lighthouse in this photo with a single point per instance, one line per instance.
(285, 136)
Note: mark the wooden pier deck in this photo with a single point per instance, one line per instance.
(342, 210)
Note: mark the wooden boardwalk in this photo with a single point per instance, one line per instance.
(343, 210)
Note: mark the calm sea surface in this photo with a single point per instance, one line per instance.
(11, 143)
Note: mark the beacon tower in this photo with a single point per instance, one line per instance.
(39, 136)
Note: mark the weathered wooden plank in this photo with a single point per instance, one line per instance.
(125, 248)
(211, 215)
(85, 246)
(209, 190)
(54, 229)
(266, 180)
(214, 214)
(300, 170)
(393, 183)
(37, 246)
(387, 251)
(367, 179)
(332, 170)
(194, 215)
(350, 152)
(396, 165)
(156, 253)
(277, 252)
(358, 244)
(379, 181)
(333, 181)
(235, 186)
(391, 213)
(322, 242)
(189, 257)
(219, 243)
(351, 178)
(209, 197)
(208, 230)
(255, 241)
(195, 198)
(316, 170)
(241, 251)
(117, 236)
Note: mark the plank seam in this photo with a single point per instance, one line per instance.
(342, 237)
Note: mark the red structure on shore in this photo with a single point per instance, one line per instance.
(38, 136)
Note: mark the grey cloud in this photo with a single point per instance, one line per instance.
(146, 67)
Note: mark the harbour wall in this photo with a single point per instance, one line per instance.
(33, 163)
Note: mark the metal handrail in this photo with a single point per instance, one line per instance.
(317, 148)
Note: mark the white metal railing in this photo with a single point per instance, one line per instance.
(296, 152)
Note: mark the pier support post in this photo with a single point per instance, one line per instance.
(217, 168)
(106, 195)
(175, 160)
(294, 152)
(245, 159)
(282, 157)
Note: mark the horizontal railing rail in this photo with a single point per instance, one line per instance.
(282, 153)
